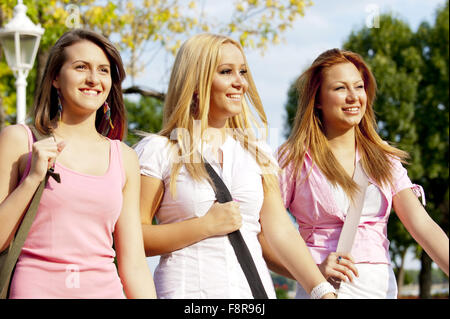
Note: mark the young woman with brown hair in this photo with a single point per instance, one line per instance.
(69, 251)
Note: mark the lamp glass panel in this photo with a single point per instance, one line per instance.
(9, 49)
(27, 44)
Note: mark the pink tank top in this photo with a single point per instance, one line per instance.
(68, 252)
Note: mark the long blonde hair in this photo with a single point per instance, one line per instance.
(188, 100)
(308, 132)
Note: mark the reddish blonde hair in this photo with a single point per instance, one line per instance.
(308, 135)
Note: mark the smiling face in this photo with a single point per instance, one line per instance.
(228, 86)
(342, 98)
(84, 80)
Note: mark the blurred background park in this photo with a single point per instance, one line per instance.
(406, 43)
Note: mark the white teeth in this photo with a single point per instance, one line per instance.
(351, 109)
(90, 92)
(235, 97)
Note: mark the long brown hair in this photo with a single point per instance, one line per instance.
(45, 107)
(187, 101)
(308, 134)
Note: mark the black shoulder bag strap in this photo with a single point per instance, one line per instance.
(237, 241)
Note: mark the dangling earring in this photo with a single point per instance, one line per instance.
(107, 113)
(60, 108)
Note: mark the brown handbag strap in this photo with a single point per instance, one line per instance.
(15, 247)
(17, 243)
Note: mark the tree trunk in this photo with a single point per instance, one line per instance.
(144, 92)
(401, 272)
(425, 276)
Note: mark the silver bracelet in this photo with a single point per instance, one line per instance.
(322, 289)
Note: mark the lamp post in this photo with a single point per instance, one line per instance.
(20, 40)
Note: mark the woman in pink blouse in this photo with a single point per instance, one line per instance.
(334, 130)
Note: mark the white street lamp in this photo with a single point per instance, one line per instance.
(20, 40)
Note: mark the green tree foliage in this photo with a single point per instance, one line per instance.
(141, 29)
(144, 115)
(291, 109)
(433, 125)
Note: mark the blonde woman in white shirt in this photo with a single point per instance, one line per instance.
(207, 115)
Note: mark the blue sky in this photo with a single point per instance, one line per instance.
(325, 25)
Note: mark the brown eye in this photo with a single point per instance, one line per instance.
(226, 71)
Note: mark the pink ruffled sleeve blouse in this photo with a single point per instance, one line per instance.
(310, 200)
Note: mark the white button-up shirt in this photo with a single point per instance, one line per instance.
(209, 268)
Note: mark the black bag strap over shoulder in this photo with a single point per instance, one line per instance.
(237, 241)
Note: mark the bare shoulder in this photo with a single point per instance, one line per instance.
(14, 139)
(13, 150)
(16, 132)
(130, 158)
